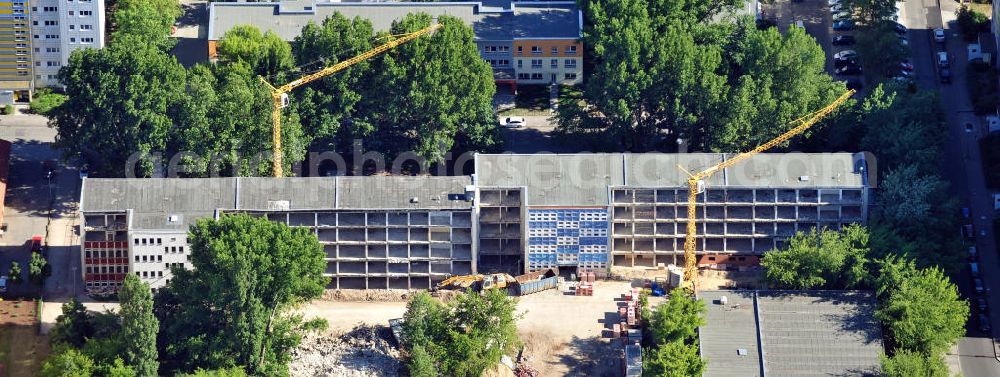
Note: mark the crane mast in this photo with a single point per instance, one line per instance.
(279, 95)
(696, 181)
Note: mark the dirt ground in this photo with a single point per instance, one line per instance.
(562, 332)
(22, 349)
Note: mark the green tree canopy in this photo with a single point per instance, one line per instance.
(673, 359)
(678, 319)
(74, 325)
(149, 21)
(825, 259)
(67, 362)
(924, 312)
(123, 100)
(139, 326)
(266, 53)
(911, 364)
(232, 308)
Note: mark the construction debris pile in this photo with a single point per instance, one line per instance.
(378, 295)
(365, 351)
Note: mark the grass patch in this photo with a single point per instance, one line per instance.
(530, 100)
(45, 101)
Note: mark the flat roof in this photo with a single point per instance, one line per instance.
(153, 201)
(583, 179)
(491, 20)
(799, 333)
(728, 329)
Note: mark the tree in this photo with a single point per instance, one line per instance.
(123, 102)
(880, 50)
(433, 93)
(677, 320)
(463, 338)
(911, 364)
(116, 369)
(266, 53)
(890, 108)
(67, 362)
(775, 79)
(139, 326)
(673, 359)
(421, 364)
(74, 325)
(332, 103)
(826, 259)
(924, 313)
(225, 372)
(971, 22)
(232, 307)
(15, 272)
(149, 21)
(226, 124)
(38, 269)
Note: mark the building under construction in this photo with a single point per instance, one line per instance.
(516, 213)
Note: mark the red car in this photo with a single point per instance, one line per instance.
(36, 244)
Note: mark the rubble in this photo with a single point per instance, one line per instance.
(379, 295)
(365, 351)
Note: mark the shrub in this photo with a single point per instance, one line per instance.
(44, 103)
(9, 109)
(981, 80)
(971, 23)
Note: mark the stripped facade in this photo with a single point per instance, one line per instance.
(516, 213)
(525, 42)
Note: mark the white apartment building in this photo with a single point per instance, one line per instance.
(60, 27)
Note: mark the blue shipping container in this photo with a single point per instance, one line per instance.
(538, 285)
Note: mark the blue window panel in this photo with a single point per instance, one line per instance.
(568, 232)
(566, 249)
(593, 240)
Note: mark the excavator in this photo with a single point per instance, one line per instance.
(478, 282)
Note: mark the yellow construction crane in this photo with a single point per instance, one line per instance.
(696, 181)
(279, 95)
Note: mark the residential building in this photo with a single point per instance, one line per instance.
(377, 232)
(790, 333)
(528, 42)
(37, 39)
(589, 210)
(517, 213)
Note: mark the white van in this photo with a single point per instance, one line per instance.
(942, 59)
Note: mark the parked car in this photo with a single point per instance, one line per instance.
(848, 70)
(842, 16)
(939, 35)
(974, 269)
(833, 2)
(945, 75)
(982, 304)
(899, 28)
(843, 25)
(513, 122)
(942, 59)
(903, 40)
(840, 63)
(965, 210)
(978, 283)
(973, 254)
(846, 54)
(984, 323)
(968, 232)
(838, 7)
(843, 40)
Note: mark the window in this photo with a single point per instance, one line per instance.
(52, 64)
(570, 63)
(50, 9)
(22, 45)
(38, 77)
(555, 50)
(159, 258)
(536, 76)
(52, 49)
(504, 48)
(86, 27)
(503, 63)
(86, 40)
(36, 36)
(70, 13)
(52, 36)
(571, 49)
(52, 23)
(554, 63)
(84, 13)
(159, 273)
(570, 76)
(34, 9)
(72, 40)
(35, 23)
(490, 49)
(520, 63)
(536, 63)
(523, 76)
(136, 258)
(53, 77)
(71, 27)
(38, 64)
(536, 50)
(159, 241)
(520, 49)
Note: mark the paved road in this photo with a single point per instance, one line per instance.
(962, 167)
(35, 206)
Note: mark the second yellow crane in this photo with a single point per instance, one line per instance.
(696, 182)
(279, 95)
